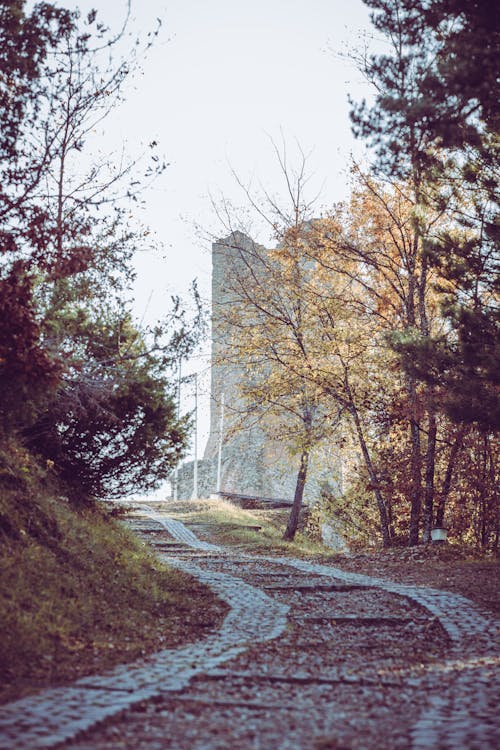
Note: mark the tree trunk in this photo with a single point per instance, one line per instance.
(384, 520)
(430, 453)
(293, 519)
(445, 491)
(415, 466)
(411, 386)
(483, 504)
(494, 505)
(430, 466)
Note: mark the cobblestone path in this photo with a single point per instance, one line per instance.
(310, 657)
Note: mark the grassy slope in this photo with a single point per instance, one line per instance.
(78, 593)
(225, 523)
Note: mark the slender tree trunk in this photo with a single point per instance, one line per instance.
(483, 504)
(415, 465)
(450, 468)
(484, 530)
(63, 153)
(390, 519)
(411, 386)
(430, 453)
(494, 505)
(293, 519)
(430, 466)
(384, 519)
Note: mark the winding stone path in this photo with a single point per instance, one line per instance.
(49, 718)
(459, 720)
(290, 647)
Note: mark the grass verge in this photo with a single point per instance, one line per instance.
(258, 531)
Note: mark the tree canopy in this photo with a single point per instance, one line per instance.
(83, 385)
(435, 122)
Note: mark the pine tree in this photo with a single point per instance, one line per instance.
(417, 85)
(435, 121)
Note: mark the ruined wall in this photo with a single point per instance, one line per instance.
(252, 464)
(206, 479)
(243, 469)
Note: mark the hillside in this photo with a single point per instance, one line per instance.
(79, 593)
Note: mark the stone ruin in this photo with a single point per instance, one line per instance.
(252, 464)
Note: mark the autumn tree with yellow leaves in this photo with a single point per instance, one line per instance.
(321, 322)
(296, 327)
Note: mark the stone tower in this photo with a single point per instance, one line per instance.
(251, 463)
(242, 467)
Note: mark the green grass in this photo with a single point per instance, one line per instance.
(78, 592)
(224, 523)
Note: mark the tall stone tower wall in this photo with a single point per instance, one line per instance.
(252, 463)
(243, 469)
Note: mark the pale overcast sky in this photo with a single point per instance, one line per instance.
(222, 78)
